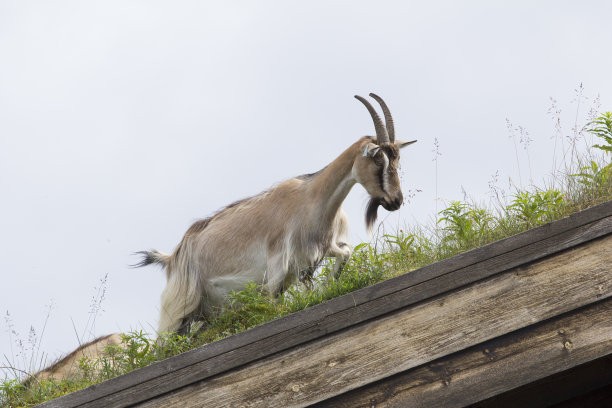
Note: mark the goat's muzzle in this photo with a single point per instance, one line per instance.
(395, 204)
(389, 205)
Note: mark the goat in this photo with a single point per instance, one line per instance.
(68, 367)
(281, 234)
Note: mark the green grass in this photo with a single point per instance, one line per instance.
(461, 226)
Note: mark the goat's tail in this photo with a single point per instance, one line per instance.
(151, 257)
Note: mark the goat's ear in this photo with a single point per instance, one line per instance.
(401, 144)
(370, 149)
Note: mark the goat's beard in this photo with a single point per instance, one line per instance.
(372, 212)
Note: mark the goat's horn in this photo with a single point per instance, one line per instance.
(388, 117)
(381, 132)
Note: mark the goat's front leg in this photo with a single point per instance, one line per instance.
(306, 276)
(276, 275)
(342, 252)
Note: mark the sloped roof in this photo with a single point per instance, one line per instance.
(464, 329)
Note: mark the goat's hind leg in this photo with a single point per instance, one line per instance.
(180, 299)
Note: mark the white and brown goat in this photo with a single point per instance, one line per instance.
(281, 234)
(68, 367)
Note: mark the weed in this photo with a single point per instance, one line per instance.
(602, 127)
(465, 225)
(537, 208)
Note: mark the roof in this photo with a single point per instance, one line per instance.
(453, 333)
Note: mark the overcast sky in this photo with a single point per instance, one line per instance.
(122, 122)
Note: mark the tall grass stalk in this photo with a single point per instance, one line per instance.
(437, 154)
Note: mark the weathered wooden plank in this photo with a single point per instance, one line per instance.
(346, 311)
(497, 366)
(413, 336)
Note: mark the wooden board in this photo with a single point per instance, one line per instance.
(497, 366)
(344, 312)
(416, 335)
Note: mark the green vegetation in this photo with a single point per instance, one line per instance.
(586, 181)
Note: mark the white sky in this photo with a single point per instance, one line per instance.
(122, 122)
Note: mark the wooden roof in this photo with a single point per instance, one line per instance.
(462, 331)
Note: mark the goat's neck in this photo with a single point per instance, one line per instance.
(331, 186)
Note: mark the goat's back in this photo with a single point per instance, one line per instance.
(69, 366)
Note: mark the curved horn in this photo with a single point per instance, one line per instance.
(381, 132)
(388, 117)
